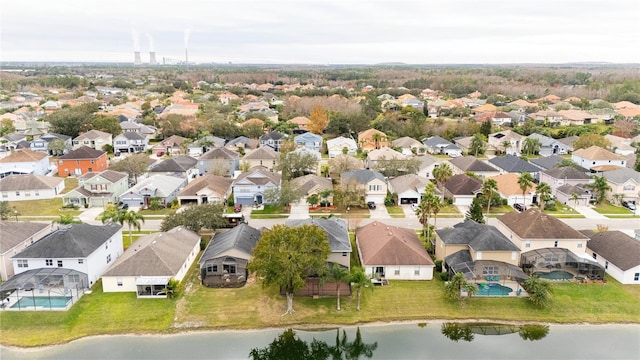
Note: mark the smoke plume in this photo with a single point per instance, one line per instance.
(135, 36)
(150, 39)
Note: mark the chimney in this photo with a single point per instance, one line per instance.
(152, 58)
(137, 59)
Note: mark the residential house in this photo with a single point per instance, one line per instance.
(372, 139)
(302, 123)
(154, 259)
(577, 117)
(130, 142)
(479, 251)
(507, 142)
(549, 117)
(30, 187)
(262, 156)
(169, 146)
(24, 161)
(625, 183)
(617, 252)
(42, 143)
(509, 189)
(9, 143)
(163, 187)
(438, 145)
(371, 182)
(464, 164)
(619, 145)
(313, 184)
(89, 249)
(522, 105)
(408, 146)
(273, 140)
(513, 164)
(341, 145)
(498, 118)
(305, 152)
(17, 236)
(533, 230)
(338, 236)
(462, 189)
(250, 186)
(410, 188)
(181, 166)
(564, 195)
(242, 142)
(549, 146)
(393, 253)
(309, 140)
(204, 144)
(98, 189)
(206, 189)
(377, 157)
(427, 164)
(94, 139)
(596, 159)
(224, 261)
(217, 160)
(557, 177)
(547, 163)
(568, 142)
(81, 161)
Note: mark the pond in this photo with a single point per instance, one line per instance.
(390, 341)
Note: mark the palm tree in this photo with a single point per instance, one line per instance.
(436, 205)
(442, 173)
(477, 144)
(544, 192)
(133, 219)
(66, 219)
(600, 187)
(458, 283)
(359, 280)
(525, 182)
(423, 212)
(338, 274)
(489, 187)
(530, 145)
(539, 290)
(575, 197)
(506, 144)
(376, 139)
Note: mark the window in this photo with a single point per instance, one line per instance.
(59, 263)
(48, 262)
(77, 162)
(80, 261)
(555, 243)
(37, 193)
(396, 272)
(344, 253)
(636, 276)
(212, 269)
(490, 270)
(527, 244)
(93, 162)
(230, 269)
(108, 258)
(595, 256)
(119, 281)
(606, 264)
(579, 244)
(23, 263)
(5, 195)
(74, 278)
(416, 271)
(27, 193)
(17, 193)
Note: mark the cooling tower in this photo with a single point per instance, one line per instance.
(152, 58)
(138, 59)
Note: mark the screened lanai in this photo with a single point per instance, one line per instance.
(43, 289)
(487, 270)
(561, 264)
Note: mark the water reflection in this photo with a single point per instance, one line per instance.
(288, 346)
(467, 331)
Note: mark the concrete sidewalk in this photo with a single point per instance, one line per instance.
(588, 212)
(90, 215)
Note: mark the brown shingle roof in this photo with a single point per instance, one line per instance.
(618, 248)
(462, 184)
(381, 244)
(508, 185)
(597, 153)
(219, 184)
(83, 152)
(29, 182)
(23, 155)
(534, 224)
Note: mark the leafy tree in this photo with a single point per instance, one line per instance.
(574, 197)
(489, 189)
(395, 167)
(457, 331)
(106, 123)
(73, 120)
(318, 119)
(131, 217)
(313, 199)
(197, 217)
(339, 275)
(134, 165)
(539, 290)
(477, 144)
(347, 196)
(286, 256)
(544, 193)
(525, 182)
(253, 131)
(588, 140)
(475, 212)
(57, 147)
(295, 164)
(531, 146)
(6, 127)
(359, 281)
(442, 173)
(5, 210)
(485, 128)
(624, 128)
(600, 186)
(454, 287)
(66, 219)
(283, 195)
(566, 163)
(343, 163)
(219, 167)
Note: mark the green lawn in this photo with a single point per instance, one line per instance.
(46, 207)
(159, 212)
(395, 211)
(70, 183)
(608, 208)
(271, 209)
(564, 211)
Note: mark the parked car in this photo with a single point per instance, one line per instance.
(237, 208)
(160, 154)
(117, 153)
(371, 205)
(629, 205)
(519, 207)
(123, 206)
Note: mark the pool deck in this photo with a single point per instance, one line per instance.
(508, 283)
(11, 300)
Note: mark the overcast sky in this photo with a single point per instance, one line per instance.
(323, 32)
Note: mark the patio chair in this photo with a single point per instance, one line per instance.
(519, 292)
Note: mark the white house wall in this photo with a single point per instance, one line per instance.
(624, 277)
(405, 272)
(110, 284)
(32, 194)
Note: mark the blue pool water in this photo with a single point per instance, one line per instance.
(57, 302)
(493, 290)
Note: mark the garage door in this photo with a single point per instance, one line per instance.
(244, 200)
(408, 200)
(378, 199)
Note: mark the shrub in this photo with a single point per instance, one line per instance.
(444, 276)
(203, 244)
(438, 265)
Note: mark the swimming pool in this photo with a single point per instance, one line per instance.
(492, 290)
(57, 302)
(555, 275)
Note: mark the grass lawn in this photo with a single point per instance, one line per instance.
(564, 211)
(45, 207)
(498, 210)
(608, 208)
(271, 209)
(70, 183)
(395, 211)
(163, 211)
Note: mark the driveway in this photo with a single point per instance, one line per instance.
(380, 212)
(90, 215)
(299, 210)
(408, 212)
(588, 212)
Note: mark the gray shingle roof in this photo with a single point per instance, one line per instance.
(219, 184)
(362, 176)
(180, 163)
(619, 249)
(514, 164)
(29, 182)
(335, 228)
(220, 153)
(547, 162)
(462, 184)
(72, 241)
(622, 175)
(83, 152)
(471, 163)
(13, 233)
(262, 153)
(567, 173)
(242, 237)
(479, 237)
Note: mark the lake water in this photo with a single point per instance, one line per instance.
(393, 341)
